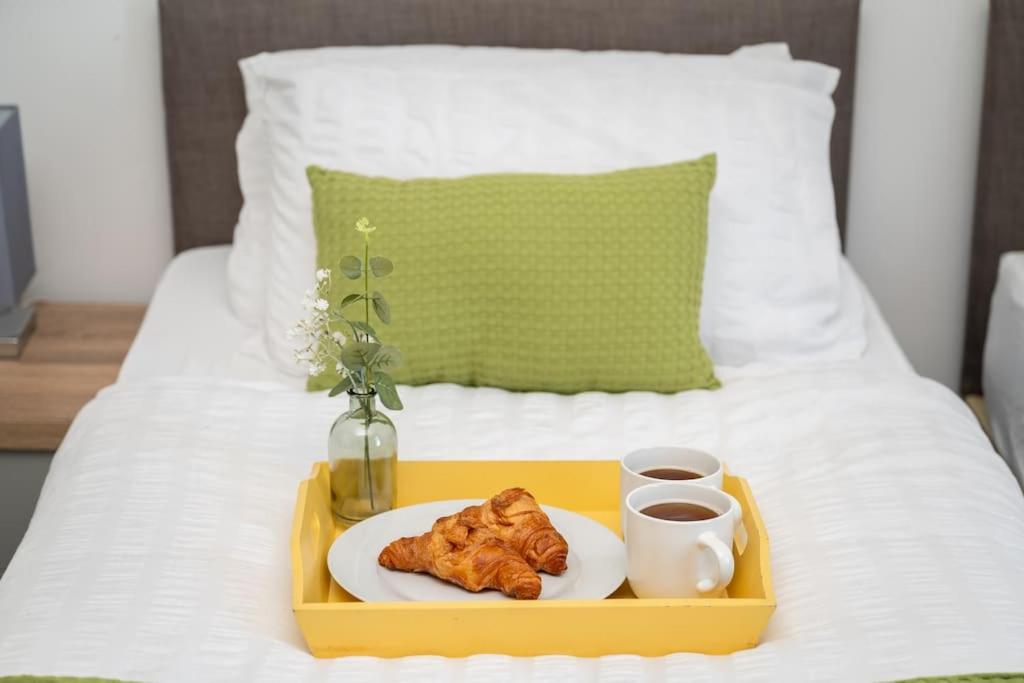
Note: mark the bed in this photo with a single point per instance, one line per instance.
(157, 550)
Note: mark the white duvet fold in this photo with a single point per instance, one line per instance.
(158, 551)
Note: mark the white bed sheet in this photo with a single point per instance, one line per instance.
(158, 551)
(189, 330)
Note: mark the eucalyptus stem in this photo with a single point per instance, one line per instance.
(366, 451)
(366, 278)
(366, 376)
(366, 299)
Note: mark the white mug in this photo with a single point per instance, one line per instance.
(633, 464)
(670, 559)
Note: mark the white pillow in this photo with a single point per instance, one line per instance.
(773, 291)
(249, 260)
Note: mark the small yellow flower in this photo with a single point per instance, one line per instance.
(363, 225)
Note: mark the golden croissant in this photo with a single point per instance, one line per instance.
(515, 517)
(461, 550)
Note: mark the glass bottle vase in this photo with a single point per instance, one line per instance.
(363, 451)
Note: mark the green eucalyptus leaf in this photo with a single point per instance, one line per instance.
(381, 308)
(386, 390)
(380, 266)
(357, 355)
(351, 298)
(351, 267)
(387, 357)
(365, 328)
(343, 385)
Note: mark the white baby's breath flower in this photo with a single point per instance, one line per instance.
(363, 226)
(310, 335)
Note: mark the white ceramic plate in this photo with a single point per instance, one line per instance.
(596, 562)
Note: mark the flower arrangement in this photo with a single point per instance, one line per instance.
(332, 336)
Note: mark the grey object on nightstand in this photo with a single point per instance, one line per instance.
(17, 260)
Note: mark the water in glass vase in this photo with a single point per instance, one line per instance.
(363, 453)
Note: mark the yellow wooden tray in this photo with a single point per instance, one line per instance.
(336, 624)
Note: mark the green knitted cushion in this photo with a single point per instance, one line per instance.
(561, 283)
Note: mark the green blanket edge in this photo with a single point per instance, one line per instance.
(21, 678)
(963, 678)
(968, 678)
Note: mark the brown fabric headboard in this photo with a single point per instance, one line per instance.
(999, 204)
(204, 39)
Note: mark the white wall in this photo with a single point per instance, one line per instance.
(86, 77)
(920, 75)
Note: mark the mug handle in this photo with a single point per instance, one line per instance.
(723, 556)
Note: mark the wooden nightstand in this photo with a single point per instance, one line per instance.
(75, 351)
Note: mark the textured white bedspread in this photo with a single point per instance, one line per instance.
(159, 548)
